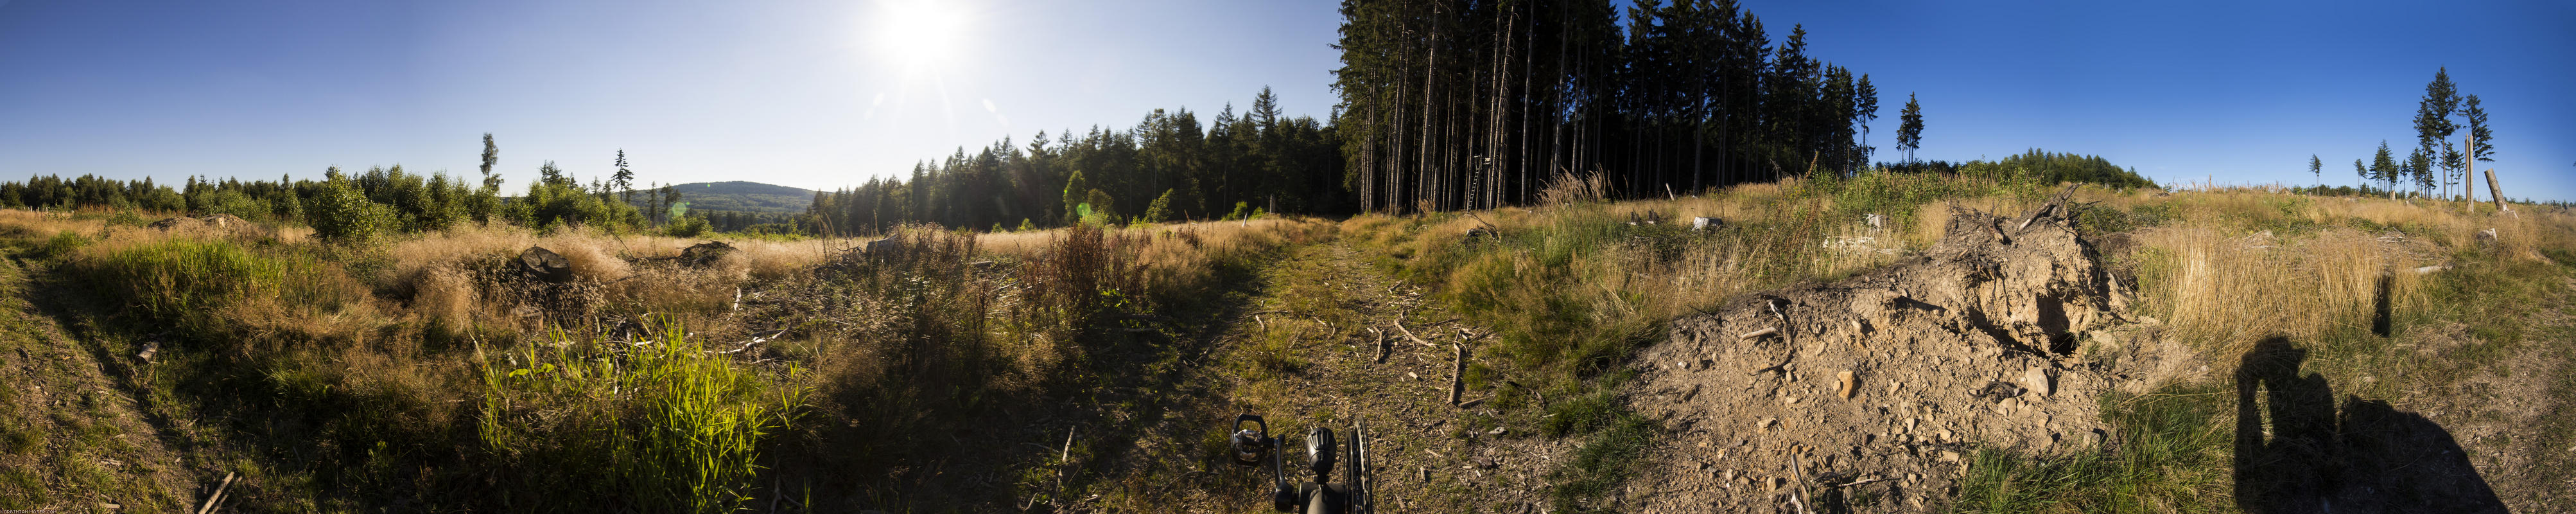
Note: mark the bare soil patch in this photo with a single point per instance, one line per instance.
(1871, 393)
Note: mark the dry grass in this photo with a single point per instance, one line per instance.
(2228, 291)
(2238, 265)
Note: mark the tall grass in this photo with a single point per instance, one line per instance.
(205, 287)
(664, 426)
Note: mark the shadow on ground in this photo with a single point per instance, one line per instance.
(2363, 457)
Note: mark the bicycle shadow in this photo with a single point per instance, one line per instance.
(2297, 453)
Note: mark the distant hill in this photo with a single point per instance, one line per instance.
(742, 196)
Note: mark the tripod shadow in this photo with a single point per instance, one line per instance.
(2367, 457)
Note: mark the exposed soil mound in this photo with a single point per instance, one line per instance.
(1884, 383)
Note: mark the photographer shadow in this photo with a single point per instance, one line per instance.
(2297, 453)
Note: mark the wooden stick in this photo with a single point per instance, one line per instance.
(1458, 375)
(1381, 344)
(2044, 208)
(218, 496)
(1759, 333)
(1408, 334)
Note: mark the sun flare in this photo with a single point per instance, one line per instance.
(918, 33)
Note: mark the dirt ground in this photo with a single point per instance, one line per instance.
(1870, 391)
(88, 446)
(1428, 457)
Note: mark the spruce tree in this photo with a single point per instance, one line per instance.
(2383, 169)
(2433, 126)
(624, 179)
(2483, 148)
(1909, 134)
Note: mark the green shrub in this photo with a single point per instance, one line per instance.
(1160, 210)
(62, 244)
(343, 214)
(686, 226)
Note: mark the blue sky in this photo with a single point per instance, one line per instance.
(825, 94)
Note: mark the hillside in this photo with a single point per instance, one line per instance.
(743, 196)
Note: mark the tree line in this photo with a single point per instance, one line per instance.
(1168, 167)
(2435, 166)
(346, 205)
(1452, 104)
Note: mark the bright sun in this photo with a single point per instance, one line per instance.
(918, 33)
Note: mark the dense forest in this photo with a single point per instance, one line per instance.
(1450, 105)
(1169, 166)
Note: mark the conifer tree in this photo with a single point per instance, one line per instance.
(2383, 169)
(624, 179)
(2317, 167)
(1909, 135)
(2433, 125)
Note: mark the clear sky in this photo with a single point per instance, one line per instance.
(825, 94)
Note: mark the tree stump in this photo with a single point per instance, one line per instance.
(545, 265)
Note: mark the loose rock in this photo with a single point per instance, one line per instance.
(2036, 380)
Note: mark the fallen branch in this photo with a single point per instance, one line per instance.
(209, 506)
(746, 345)
(1381, 344)
(2044, 208)
(1408, 334)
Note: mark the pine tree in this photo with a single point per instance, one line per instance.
(2383, 169)
(2419, 168)
(1909, 135)
(2481, 135)
(624, 179)
(2433, 125)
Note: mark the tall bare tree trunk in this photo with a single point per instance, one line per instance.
(2472, 160)
(1430, 84)
(2494, 192)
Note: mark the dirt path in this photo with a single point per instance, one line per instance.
(73, 438)
(1306, 354)
(2517, 420)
